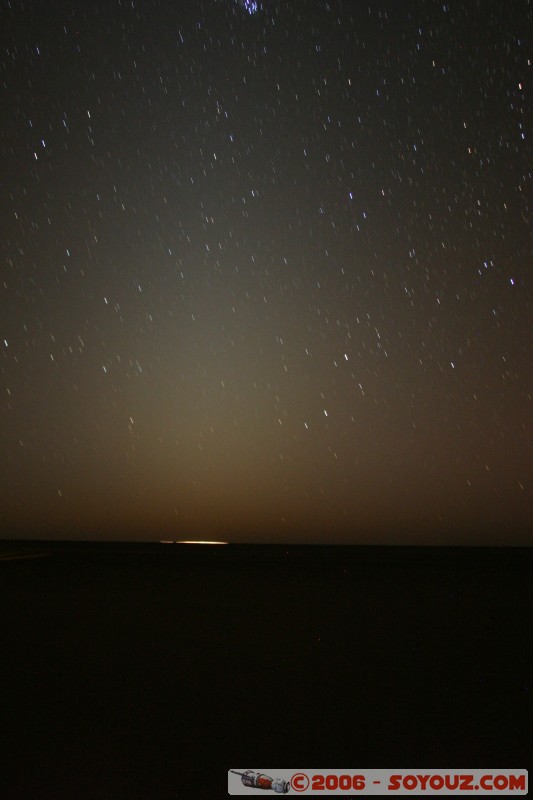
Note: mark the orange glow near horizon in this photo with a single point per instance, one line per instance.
(192, 541)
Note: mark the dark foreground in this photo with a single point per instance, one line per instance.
(146, 671)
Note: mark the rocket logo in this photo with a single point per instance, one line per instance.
(257, 780)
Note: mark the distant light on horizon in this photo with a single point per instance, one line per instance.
(193, 541)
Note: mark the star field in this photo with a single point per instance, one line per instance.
(266, 270)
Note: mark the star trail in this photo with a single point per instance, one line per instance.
(266, 271)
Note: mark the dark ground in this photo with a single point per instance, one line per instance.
(146, 671)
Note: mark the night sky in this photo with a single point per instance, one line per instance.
(265, 270)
